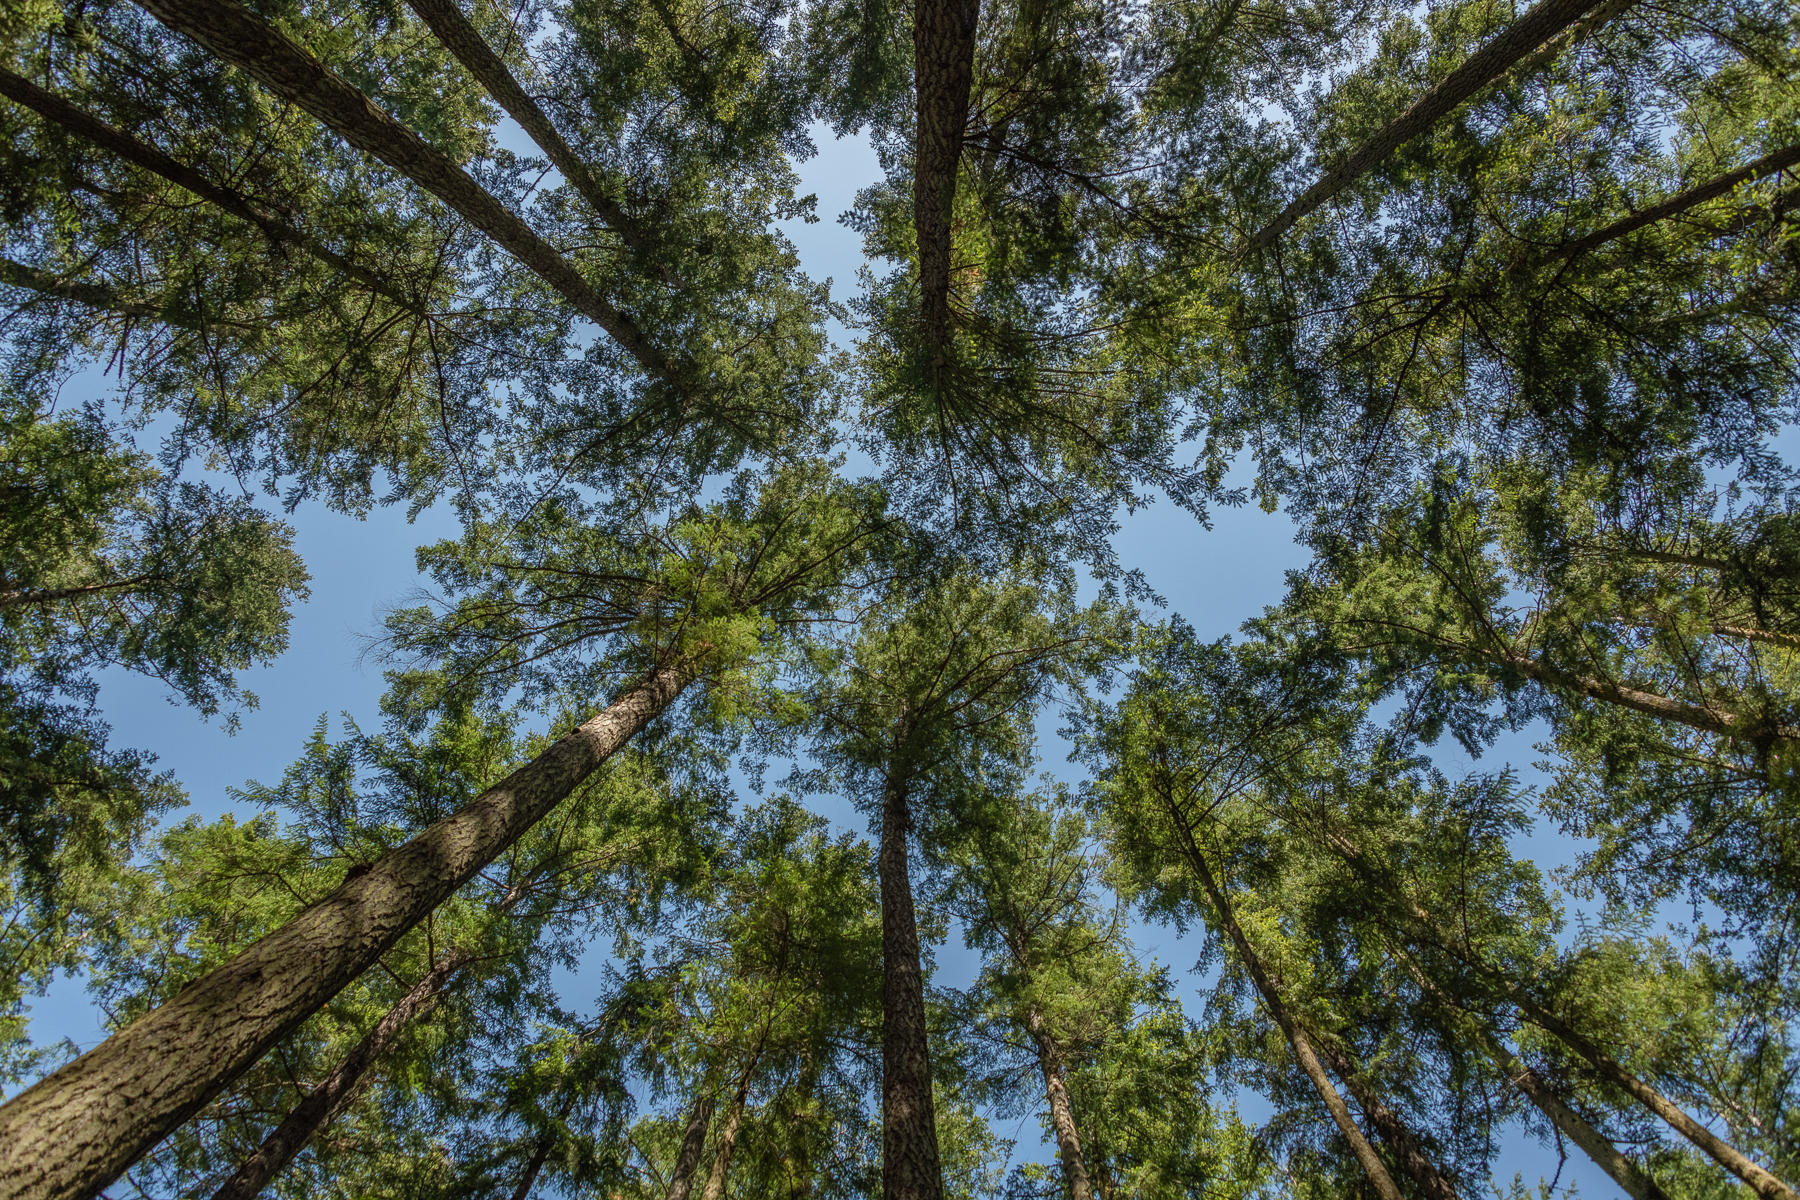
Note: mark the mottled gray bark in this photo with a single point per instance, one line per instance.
(910, 1169)
(251, 44)
(1062, 1112)
(343, 1085)
(71, 1134)
(1511, 46)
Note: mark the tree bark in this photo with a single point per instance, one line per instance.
(71, 1134)
(1512, 45)
(339, 1088)
(944, 71)
(251, 44)
(85, 125)
(1062, 1113)
(909, 1150)
(107, 299)
(1698, 716)
(681, 1183)
(1768, 164)
(463, 40)
(1268, 988)
(1388, 1126)
(728, 1134)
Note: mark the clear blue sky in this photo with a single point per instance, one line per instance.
(359, 568)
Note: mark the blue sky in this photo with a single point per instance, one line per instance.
(1214, 578)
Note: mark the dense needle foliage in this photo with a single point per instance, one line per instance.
(707, 845)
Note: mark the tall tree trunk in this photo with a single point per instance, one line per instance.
(85, 125)
(1707, 717)
(693, 1143)
(728, 1135)
(1768, 164)
(1062, 1113)
(263, 52)
(944, 71)
(1267, 988)
(1510, 47)
(909, 1150)
(71, 1134)
(339, 1088)
(463, 40)
(1388, 1126)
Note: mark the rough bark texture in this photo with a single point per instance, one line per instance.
(1268, 988)
(85, 125)
(681, 1183)
(1768, 164)
(909, 1150)
(1388, 1126)
(263, 52)
(339, 1088)
(1062, 1113)
(463, 40)
(72, 1133)
(1512, 45)
(1609, 1069)
(1697, 716)
(944, 69)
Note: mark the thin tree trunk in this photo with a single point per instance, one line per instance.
(18, 596)
(1768, 164)
(1512, 45)
(85, 125)
(462, 39)
(1571, 1124)
(340, 1087)
(1267, 988)
(681, 1183)
(1062, 1113)
(251, 44)
(71, 1134)
(106, 299)
(728, 1135)
(540, 1154)
(1388, 1126)
(1698, 716)
(909, 1150)
(944, 70)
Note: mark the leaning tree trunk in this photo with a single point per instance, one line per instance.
(260, 50)
(1062, 1113)
(1267, 988)
(909, 1150)
(1388, 1126)
(71, 1134)
(1515, 44)
(1706, 717)
(540, 1153)
(687, 1163)
(340, 1087)
(1768, 164)
(944, 71)
(728, 1133)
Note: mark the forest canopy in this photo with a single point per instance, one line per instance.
(765, 618)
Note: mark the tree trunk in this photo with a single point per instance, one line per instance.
(1679, 203)
(463, 40)
(1268, 989)
(71, 1134)
(1062, 1113)
(728, 1134)
(1697, 716)
(1511, 46)
(85, 125)
(340, 1087)
(1388, 1126)
(107, 299)
(909, 1150)
(944, 70)
(251, 44)
(681, 1183)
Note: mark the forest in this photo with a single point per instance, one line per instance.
(783, 784)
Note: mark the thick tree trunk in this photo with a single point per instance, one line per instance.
(909, 1150)
(1268, 989)
(1062, 1113)
(1697, 716)
(944, 70)
(85, 125)
(693, 1143)
(1511, 46)
(251, 44)
(71, 1134)
(339, 1088)
(464, 41)
(1768, 164)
